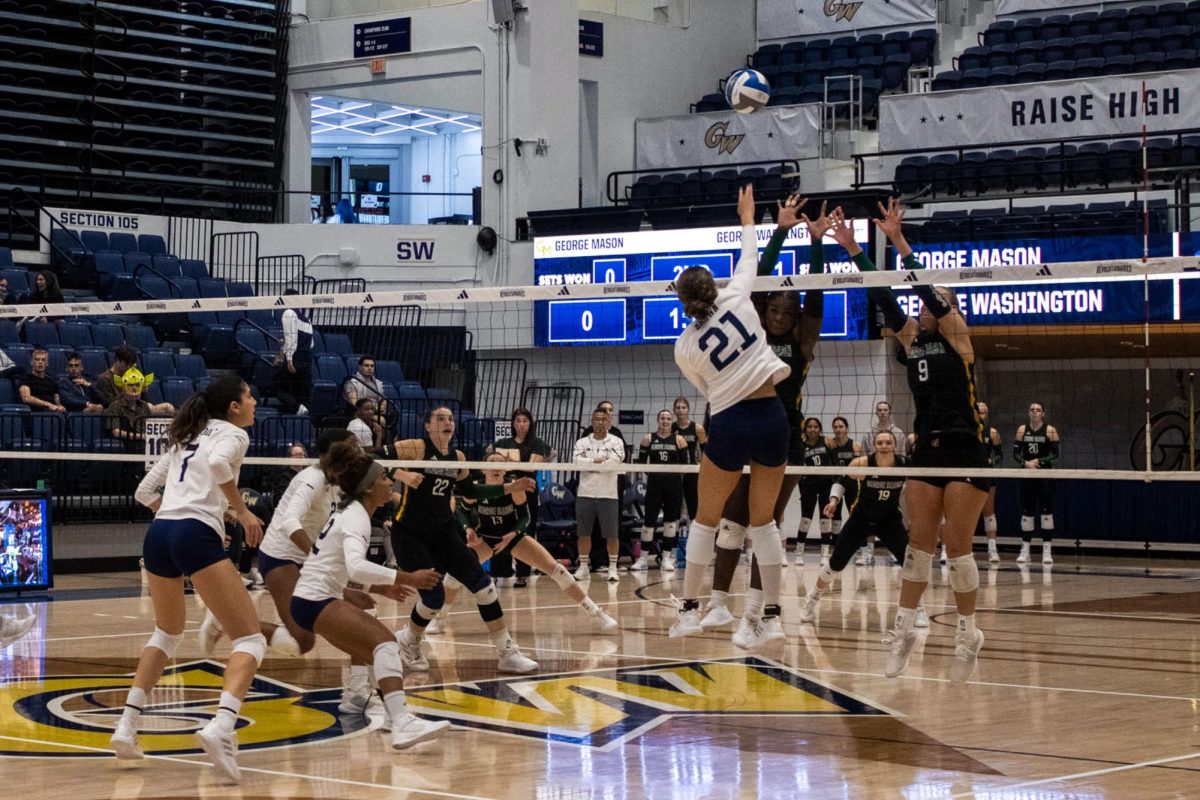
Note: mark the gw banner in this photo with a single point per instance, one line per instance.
(726, 138)
(787, 19)
(1101, 106)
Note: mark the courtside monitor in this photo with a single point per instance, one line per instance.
(25, 558)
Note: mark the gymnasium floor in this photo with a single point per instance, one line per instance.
(1089, 687)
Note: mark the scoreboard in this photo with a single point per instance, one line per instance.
(661, 256)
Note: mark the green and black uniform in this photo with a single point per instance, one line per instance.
(664, 490)
(493, 518)
(690, 479)
(502, 563)
(1037, 494)
(875, 512)
(843, 454)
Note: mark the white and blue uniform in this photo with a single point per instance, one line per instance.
(305, 505)
(338, 556)
(726, 358)
(188, 532)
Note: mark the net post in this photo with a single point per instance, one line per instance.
(1191, 421)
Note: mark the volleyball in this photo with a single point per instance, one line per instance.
(747, 90)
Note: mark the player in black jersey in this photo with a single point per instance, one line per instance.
(696, 437)
(1036, 447)
(874, 511)
(426, 534)
(940, 366)
(814, 489)
(793, 331)
(664, 490)
(991, 438)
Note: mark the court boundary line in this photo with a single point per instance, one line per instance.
(1077, 776)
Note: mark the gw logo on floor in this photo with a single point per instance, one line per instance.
(415, 250)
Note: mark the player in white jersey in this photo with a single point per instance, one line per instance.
(339, 556)
(198, 478)
(724, 353)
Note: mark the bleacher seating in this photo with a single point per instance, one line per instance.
(1031, 222)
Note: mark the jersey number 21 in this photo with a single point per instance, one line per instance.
(716, 339)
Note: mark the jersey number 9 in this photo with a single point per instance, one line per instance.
(922, 370)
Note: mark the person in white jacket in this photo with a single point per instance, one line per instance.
(597, 499)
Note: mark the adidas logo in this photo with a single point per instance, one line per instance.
(563, 291)
(44, 310)
(368, 299)
(279, 301)
(463, 295)
(116, 307)
(1044, 271)
(911, 278)
(786, 282)
(195, 304)
(671, 286)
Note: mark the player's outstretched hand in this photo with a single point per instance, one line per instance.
(819, 226)
(746, 204)
(892, 215)
(421, 579)
(785, 212)
(842, 230)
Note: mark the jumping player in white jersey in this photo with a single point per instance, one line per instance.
(339, 556)
(198, 478)
(724, 353)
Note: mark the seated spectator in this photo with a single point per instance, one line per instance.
(281, 477)
(45, 291)
(343, 214)
(37, 389)
(75, 388)
(365, 425)
(104, 388)
(364, 385)
(125, 417)
(6, 299)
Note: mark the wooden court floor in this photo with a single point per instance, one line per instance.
(1089, 687)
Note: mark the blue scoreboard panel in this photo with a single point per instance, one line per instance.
(662, 256)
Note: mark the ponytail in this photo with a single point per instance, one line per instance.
(210, 403)
(345, 465)
(698, 293)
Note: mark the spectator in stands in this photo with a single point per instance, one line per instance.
(37, 389)
(75, 388)
(281, 477)
(104, 388)
(6, 299)
(293, 379)
(343, 214)
(364, 385)
(365, 425)
(8, 367)
(125, 417)
(45, 291)
(883, 416)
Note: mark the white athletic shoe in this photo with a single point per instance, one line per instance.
(808, 609)
(902, 644)
(124, 743)
(773, 629)
(256, 576)
(504, 583)
(210, 633)
(583, 572)
(410, 652)
(753, 634)
(642, 563)
(613, 577)
(355, 698)
(717, 616)
(283, 643)
(922, 619)
(668, 561)
(1023, 556)
(409, 730)
(863, 554)
(512, 660)
(221, 748)
(436, 625)
(687, 623)
(743, 633)
(602, 621)
(1046, 557)
(993, 552)
(12, 629)
(942, 559)
(966, 657)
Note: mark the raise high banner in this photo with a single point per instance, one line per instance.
(726, 138)
(1101, 106)
(787, 19)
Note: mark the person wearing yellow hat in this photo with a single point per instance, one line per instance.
(125, 417)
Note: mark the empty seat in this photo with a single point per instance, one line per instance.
(161, 364)
(152, 243)
(94, 241)
(122, 242)
(191, 366)
(194, 268)
(41, 333)
(331, 367)
(140, 337)
(167, 266)
(999, 32)
(338, 343)
(177, 389)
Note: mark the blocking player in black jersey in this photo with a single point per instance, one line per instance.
(874, 511)
(664, 491)
(696, 437)
(1036, 447)
(940, 366)
(995, 458)
(426, 534)
(792, 331)
(844, 451)
(814, 489)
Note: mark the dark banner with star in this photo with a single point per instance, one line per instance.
(1104, 106)
(728, 138)
(787, 19)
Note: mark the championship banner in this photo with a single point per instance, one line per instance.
(156, 439)
(726, 138)
(1100, 106)
(787, 19)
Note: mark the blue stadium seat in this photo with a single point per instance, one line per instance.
(95, 360)
(945, 80)
(140, 337)
(6, 260)
(1085, 47)
(331, 367)
(1142, 44)
(177, 389)
(1056, 50)
(212, 287)
(152, 243)
(1175, 39)
(194, 268)
(942, 172)
(108, 335)
(410, 390)
(41, 333)
(1001, 76)
(1111, 21)
(908, 174)
(122, 242)
(191, 366)
(18, 280)
(75, 333)
(21, 354)
(298, 429)
(999, 55)
(239, 289)
(894, 43)
(1088, 68)
(108, 267)
(8, 393)
(324, 399)
(1028, 54)
(1059, 70)
(1030, 73)
(641, 193)
(710, 102)
(1116, 44)
(1054, 27)
(971, 58)
(1087, 166)
(154, 287)
(996, 173)
(161, 363)
(1122, 163)
(338, 343)
(999, 32)
(168, 266)
(972, 79)
(388, 371)
(135, 262)
(1082, 24)
(266, 437)
(94, 241)
(1026, 30)
(47, 432)
(8, 332)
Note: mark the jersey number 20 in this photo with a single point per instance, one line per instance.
(718, 340)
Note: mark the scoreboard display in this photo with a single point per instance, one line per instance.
(661, 256)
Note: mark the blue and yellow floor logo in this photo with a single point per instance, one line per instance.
(603, 709)
(75, 715)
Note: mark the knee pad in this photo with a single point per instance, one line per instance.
(805, 527)
(1027, 524)
(768, 548)
(562, 577)
(422, 614)
(164, 641)
(989, 524)
(826, 525)
(254, 645)
(1047, 522)
(826, 576)
(670, 529)
(731, 536)
(701, 543)
(964, 574)
(432, 599)
(487, 595)
(452, 582)
(835, 526)
(647, 534)
(386, 663)
(918, 565)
